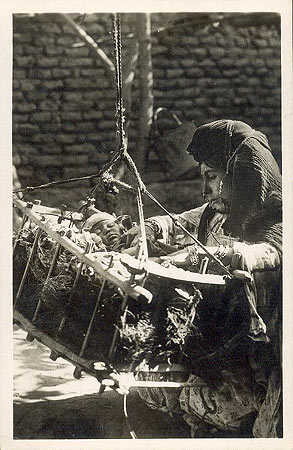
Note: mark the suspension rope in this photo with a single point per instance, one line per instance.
(120, 118)
(129, 426)
(116, 157)
(116, 23)
(144, 248)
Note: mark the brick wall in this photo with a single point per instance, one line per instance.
(205, 67)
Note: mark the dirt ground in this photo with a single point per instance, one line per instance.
(50, 404)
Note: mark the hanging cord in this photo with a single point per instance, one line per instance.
(119, 100)
(143, 254)
(129, 426)
(120, 118)
(120, 126)
(116, 24)
(116, 157)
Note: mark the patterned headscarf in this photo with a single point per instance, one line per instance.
(245, 156)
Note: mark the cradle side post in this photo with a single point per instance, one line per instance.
(75, 283)
(51, 268)
(30, 258)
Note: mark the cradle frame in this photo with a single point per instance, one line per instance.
(129, 287)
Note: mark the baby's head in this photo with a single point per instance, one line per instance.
(106, 226)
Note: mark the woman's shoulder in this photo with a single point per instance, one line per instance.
(193, 216)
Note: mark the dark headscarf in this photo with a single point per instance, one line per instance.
(245, 156)
(216, 142)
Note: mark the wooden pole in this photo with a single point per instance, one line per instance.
(91, 44)
(146, 86)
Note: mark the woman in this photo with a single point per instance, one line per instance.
(236, 362)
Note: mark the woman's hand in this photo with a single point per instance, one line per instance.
(178, 259)
(182, 258)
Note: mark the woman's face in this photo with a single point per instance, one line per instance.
(216, 195)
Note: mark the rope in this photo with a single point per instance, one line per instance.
(120, 119)
(119, 101)
(129, 426)
(144, 248)
(120, 125)
(133, 169)
(104, 169)
(118, 73)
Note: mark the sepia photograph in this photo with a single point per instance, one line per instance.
(147, 152)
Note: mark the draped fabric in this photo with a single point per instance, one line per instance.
(215, 142)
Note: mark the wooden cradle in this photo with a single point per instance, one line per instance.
(81, 327)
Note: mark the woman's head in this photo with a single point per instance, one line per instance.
(212, 146)
(215, 143)
(238, 169)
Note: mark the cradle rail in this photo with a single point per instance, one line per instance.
(58, 348)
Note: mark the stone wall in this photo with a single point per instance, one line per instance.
(205, 67)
